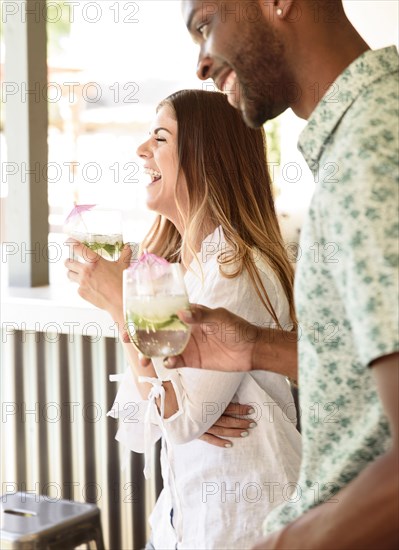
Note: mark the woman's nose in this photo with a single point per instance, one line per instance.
(143, 150)
(204, 67)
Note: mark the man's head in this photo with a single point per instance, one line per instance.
(250, 49)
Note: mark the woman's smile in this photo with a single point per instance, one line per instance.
(154, 174)
(161, 164)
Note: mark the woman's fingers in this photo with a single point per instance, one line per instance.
(217, 434)
(222, 431)
(217, 441)
(125, 256)
(233, 417)
(77, 248)
(73, 276)
(78, 271)
(143, 360)
(173, 362)
(232, 422)
(230, 426)
(73, 265)
(239, 408)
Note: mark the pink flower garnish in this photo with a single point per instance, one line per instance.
(78, 209)
(153, 264)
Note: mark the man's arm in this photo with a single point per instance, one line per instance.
(276, 351)
(366, 514)
(223, 341)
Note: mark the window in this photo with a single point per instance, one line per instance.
(109, 64)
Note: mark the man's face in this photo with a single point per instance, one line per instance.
(241, 51)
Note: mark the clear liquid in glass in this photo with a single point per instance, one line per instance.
(153, 325)
(106, 246)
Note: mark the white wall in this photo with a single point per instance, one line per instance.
(377, 21)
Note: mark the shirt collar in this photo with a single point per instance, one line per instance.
(367, 68)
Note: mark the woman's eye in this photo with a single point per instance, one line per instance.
(160, 139)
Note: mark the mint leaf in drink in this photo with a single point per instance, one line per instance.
(104, 246)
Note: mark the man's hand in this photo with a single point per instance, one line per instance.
(273, 542)
(225, 342)
(230, 425)
(219, 340)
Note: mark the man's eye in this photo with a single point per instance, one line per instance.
(202, 29)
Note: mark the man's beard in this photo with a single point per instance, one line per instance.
(259, 67)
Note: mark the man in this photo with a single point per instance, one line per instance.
(267, 56)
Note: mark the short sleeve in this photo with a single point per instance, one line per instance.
(365, 227)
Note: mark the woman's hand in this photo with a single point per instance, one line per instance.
(230, 425)
(99, 280)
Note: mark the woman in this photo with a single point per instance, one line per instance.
(210, 186)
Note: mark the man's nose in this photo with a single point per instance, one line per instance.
(204, 67)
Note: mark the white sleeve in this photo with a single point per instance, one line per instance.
(203, 395)
(131, 410)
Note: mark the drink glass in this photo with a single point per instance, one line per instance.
(151, 298)
(101, 231)
(107, 246)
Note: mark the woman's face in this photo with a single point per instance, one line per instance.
(161, 163)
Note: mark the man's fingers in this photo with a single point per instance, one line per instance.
(196, 314)
(217, 441)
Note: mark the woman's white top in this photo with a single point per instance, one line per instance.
(219, 496)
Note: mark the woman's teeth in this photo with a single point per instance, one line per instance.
(155, 175)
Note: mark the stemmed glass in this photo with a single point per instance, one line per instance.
(153, 293)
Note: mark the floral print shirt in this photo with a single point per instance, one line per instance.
(346, 285)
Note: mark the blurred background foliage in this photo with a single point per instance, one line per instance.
(58, 25)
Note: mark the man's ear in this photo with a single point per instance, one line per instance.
(282, 8)
(275, 10)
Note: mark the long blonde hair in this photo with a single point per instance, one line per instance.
(228, 185)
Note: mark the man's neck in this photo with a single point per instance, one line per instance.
(324, 65)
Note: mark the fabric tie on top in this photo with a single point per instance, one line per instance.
(157, 391)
